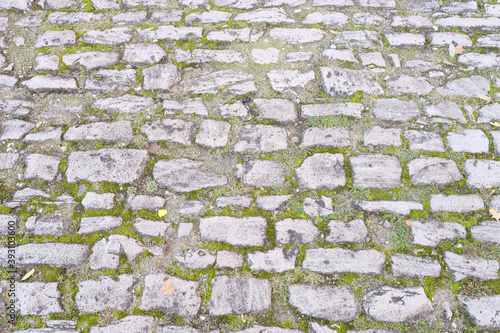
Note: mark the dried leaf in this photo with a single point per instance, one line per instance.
(162, 212)
(495, 214)
(30, 273)
(167, 288)
(334, 32)
(451, 50)
(459, 49)
(496, 123)
(244, 318)
(484, 98)
(408, 223)
(492, 192)
(155, 149)
(38, 124)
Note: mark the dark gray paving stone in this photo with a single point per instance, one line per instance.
(338, 260)
(261, 173)
(296, 231)
(466, 87)
(48, 224)
(239, 232)
(333, 137)
(150, 228)
(213, 133)
(483, 310)
(277, 260)
(54, 254)
(456, 203)
(333, 303)
(379, 136)
(424, 141)
(485, 231)
(229, 259)
(482, 173)
(332, 109)
(195, 259)
(321, 206)
(149, 202)
(391, 206)
(55, 38)
(341, 82)
(99, 223)
(413, 267)
(161, 77)
(321, 171)
(91, 59)
(433, 170)
(41, 166)
(172, 130)
(96, 201)
(117, 131)
(432, 232)
(385, 303)
(463, 266)
(352, 232)
(105, 292)
(468, 141)
(376, 171)
(261, 138)
(238, 296)
(131, 323)
(394, 109)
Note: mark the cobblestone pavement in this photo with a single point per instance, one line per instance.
(257, 166)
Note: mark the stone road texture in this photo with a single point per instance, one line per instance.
(275, 166)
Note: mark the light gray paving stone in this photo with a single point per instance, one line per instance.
(96, 201)
(238, 296)
(456, 203)
(426, 170)
(144, 3)
(261, 138)
(339, 55)
(213, 133)
(277, 260)
(489, 113)
(376, 171)
(130, 18)
(161, 77)
(198, 56)
(117, 131)
(105, 292)
(352, 232)
(421, 5)
(91, 59)
(338, 260)
(54, 254)
(49, 224)
(492, 10)
(28, 193)
(55, 38)
(314, 327)
(211, 82)
(271, 202)
(106, 252)
(332, 137)
(447, 38)
(366, 18)
(403, 265)
(184, 301)
(266, 56)
(15, 129)
(150, 228)
(236, 200)
(231, 35)
(460, 7)
(486, 231)
(239, 232)
(466, 87)
(282, 80)
(412, 21)
(271, 16)
(318, 207)
(261, 173)
(238, 4)
(333, 303)
(169, 32)
(281, 110)
(335, 19)
(7, 82)
(107, 164)
(341, 82)
(296, 231)
(124, 104)
(8, 160)
(422, 65)
(269, 329)
(4, 23)
(61, 324)
(461, 267)
(46, 62)
(483, 310)
(482, 173)
(188, 106)
(195, 259)
(112, 80)
(143, 54)
(332, 109)
(337, 3)
(358, 38)
(30, 21)
(176, 329)
(321, 171)
(468, 141)
(486, 23)
(424, 141)
(208, 17)
(242, 88)
(131, 324)
(25, 5)
(192, 207)
(38, 298)
(51, 82)
(446, 110)
(432, 232)
(149, 202)
(291, 3)
(409, 85)
(41, 166)
(106, 4)
(378, 3)
(492, 40)
(479, 60)
(397, 304)
(184, 175)
(113, 36)
(379, 136)
(404, 39)
(17, 106)
(99, 223)
(372, 58)
(166, 16)
(390, 206)
(296, 36)
(171, 130)
(72, 18)
(229, 259)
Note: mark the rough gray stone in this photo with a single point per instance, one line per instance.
(17, 4)
(37, 298)
(482, 173)
(461, 267)
(97, 201)
(413, 267)
(150, 228)
(188, 106)
(277, 260)
(340, 232)
(366, 18)
(99, 223)
(314, 327)
(213, 133)
(229, 259)
(46, 62)
(468, 141)
(148, 202)
(130, 18)
(486, 23)
(433, 170)
(195, 259)
(271, 202)
(333, 303)
(456, 203)
(379, 136)
(143, 54)
(342, 82)
(479, 60)
(376, 171)
(334, 19)
(432, 232)
(296, 231)
(403, 39)
(492, 40)
(105, 292)
(271, 329)
(17, 106)
(486, 231)
(413, 21)
(7, 82)
(91, 59)
(337, 3)
(212, 82)
(171, 130)
(447, 38)
(51, 82)
(360, 38)
(283, 80)
(236, 200)
(144, 3)
(446, 110)
(423, 66)
(106, 252)
(54, 254)
(272, 16)
(391, 206)
(231, 35)
(114, 36)
(161, 77)
(321, 171)
(169, 32)
(372, 58)
(424, 141)
(397, 304)
(8, 160)
(208, 17)
(45, 134)
(41, 166)
(266, 56)
(198, 56)
(466, 87)
(131, 323)
(489, 113)
(124, 104)
(261, 138)
(338, 261)
(106, 4)
(55, 38)
(318, 207)
(29, 193)
(117, 131)
(333, 137)
(72, 18)
(49, 224)
(239, 4)
(261, 173)
(332, 109)
(232, 295)
(192, 207)
(281, 110)
(409, 85)
(112, 80)
(184, 175)
(239, 232)
(339, 55)
(483, 310)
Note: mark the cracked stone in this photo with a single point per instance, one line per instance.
(161, 77)
(261, 173)
(261, 138)
(321, 171)
(341, 82)
(413, 267)
(461, 267)
(91, 59)
(171, 130)
(433, 170)
(277, 260)
(195, 259)
(376, 171)
(296, 231)
(432, 232)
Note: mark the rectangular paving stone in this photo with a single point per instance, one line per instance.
(99, 223)
(485, 231)
(48, 224)
(486, 23)
(55, 38)
(379, 136)
(414, 267)
(426, 170)
(296, 231)
(483, 310)
(8, 224)
(432, 232)
(391, 206)
(171, 130)
(462, 266)
(492, 40)
(54, 254)
(361, 38)
(41, 83)
(394, 109)
(376, 171)
(105, 292)
(239, 232)
(131, 323)
(332, 109)
(117, 131)
(447, 38)
(424, 141)
(399, 39)
(35, 298)
(456, 203)
(482, 173)
(8, 160)
(114, 36)
(91, 59)
(338, 261)
(169, 32)
(468, 141)
(277, 260)
(340, 232)
(343, 82)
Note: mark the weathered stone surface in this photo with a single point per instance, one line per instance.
(446, 110)
(466, 87)
(148, 202)
(188, 106)
(486, 23)
(492, 40)
(239, 232)
(99, 223)
(276, 109)
(366, 18)
(401, 39)
(393, 304)
(7, 82)
(97, 201)
(106, 252)
(318, 207)
(212, 82)
(433, 170)
(392, 206)
(15, 129)
(54, 254)
(49, 224)
(261, 173)
(8, 160)
(483, 310)
(144, 3)
(297, 35)
(461, 267)
(329, 18)
(28, 193)
(55, 38)
(184, 301)
(161, 77)
(50, 82)
(231, 35)
(339, 55)
(272, 16)
(195, 259)
(379, 136)
(333, 137)
(105, 292)
(150, 228)
(198, 56)
(91, 59)
(16, 106)
(72, 18)
(424, 141)
(333, 303)
(468, 141)
(229, 259)
(112, 80)
(192, 207)
(422, 66)
(261, 138)
(235, 200)
(110, 165)
(332, 109)
(447, 38)
(376, 171)
(184, 175)
(282, 80)
(321, 171)
(342, 82)
(482, 173)
(131, 323)
(271, 202)
(41, 166)
(372, 58)
(211, 16)
(130, 18)
(232, 295)
(413, 267)
(479, 60)
(276, 260)
(16, 4)
(413, 21)
(48, 133)
(117, 131)
(432, 232)
(239, 4)
(45, 62)
(359, 38)
(296, 231)
(340, 232)
(106, 4)
(169, 32)
(456, 203)
(409, 85)
(37, 298)
(172, 130)
(338, 260)
(266, 56)
(124, 104)
(213, 133)
(486, 231)
(114, 36)
(489, 113)
(143, 54)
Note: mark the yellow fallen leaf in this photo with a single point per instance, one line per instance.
(496, 123)
(162, 212)
(221, 87)
(334, 32)
(495, 214)
(484, 97)
(167, 288)
(244, 318)
(408, 223)
(78, 115)
(30, 273)
(38, 124)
